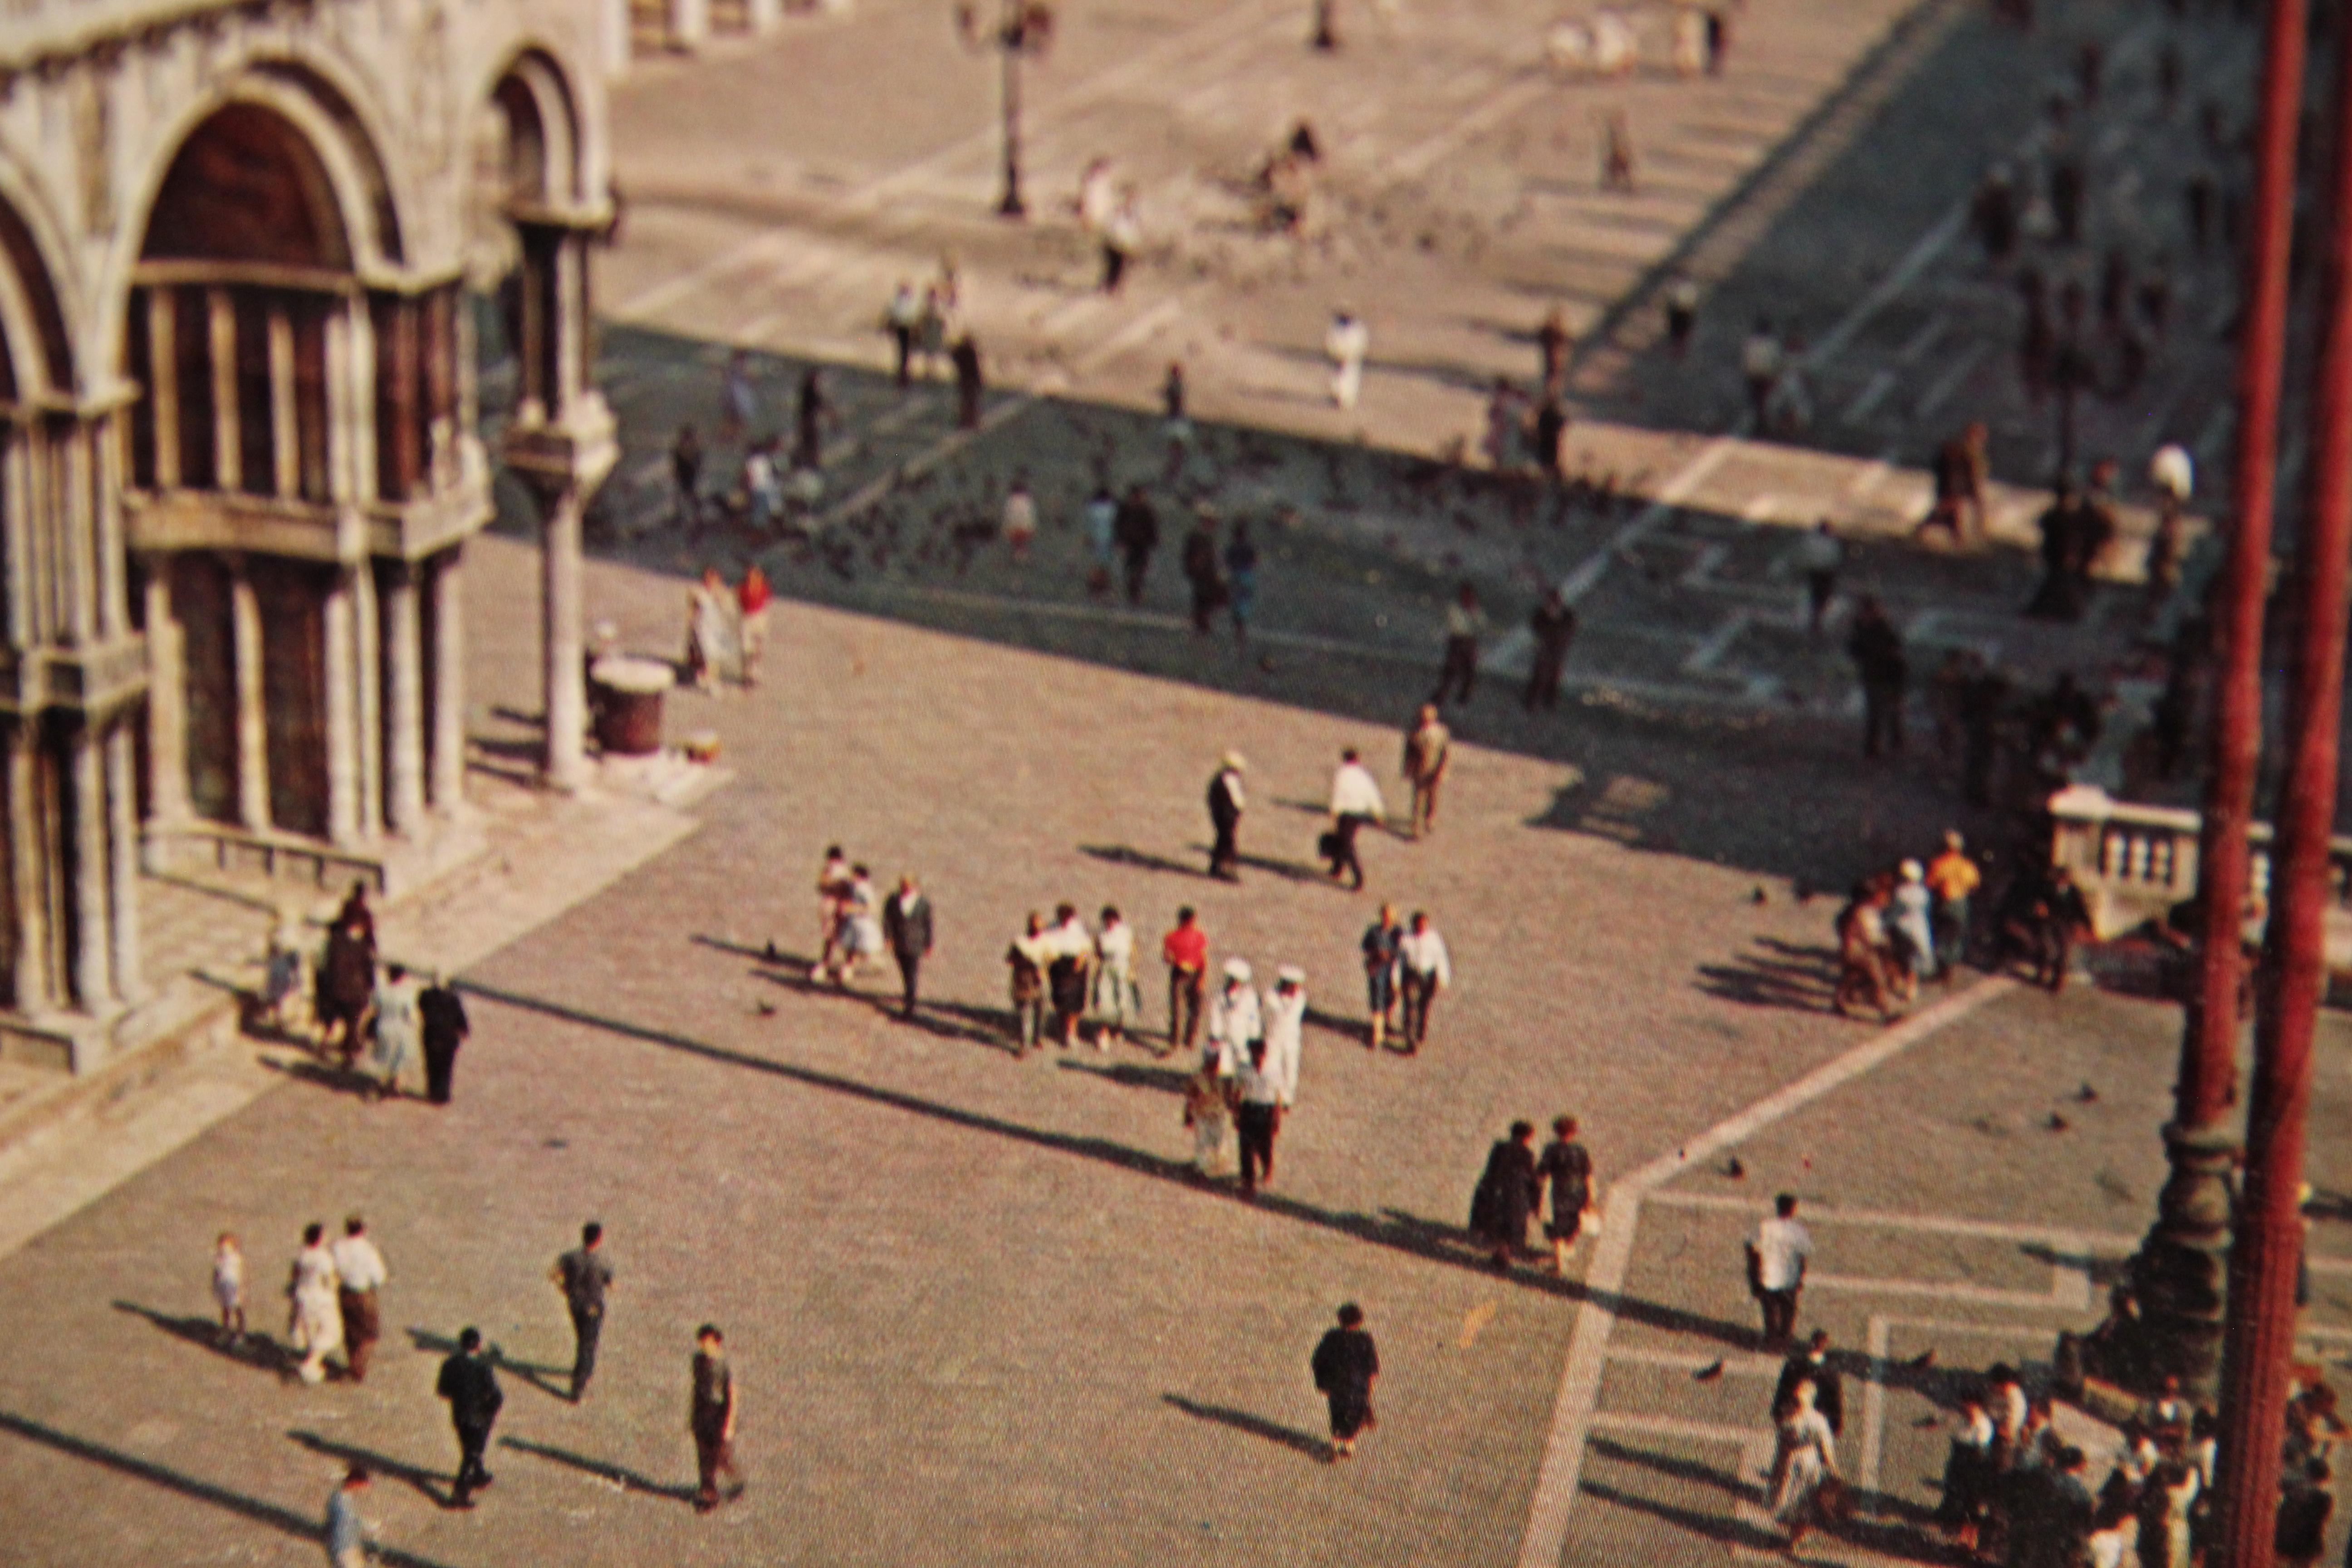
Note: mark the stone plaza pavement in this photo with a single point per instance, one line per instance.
(977, 1312)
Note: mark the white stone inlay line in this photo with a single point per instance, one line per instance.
(1587, 1348)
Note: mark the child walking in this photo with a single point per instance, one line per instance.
(228, 1286)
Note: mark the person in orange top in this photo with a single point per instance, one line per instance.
(1951, 878)
(752, 599)
(1185, 950)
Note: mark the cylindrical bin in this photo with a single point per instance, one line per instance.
(627, 697)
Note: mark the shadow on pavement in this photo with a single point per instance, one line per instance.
(549, 1380)
(1134, 1074)
(1392, 1229)
(948, 1020)
(1673, 1465)
(1781, 975)
(1121, 854)
(1255, 1425)
(257, 1350)
(1714, 1527)
(300, 1526)
(627, 1479)
(415, 1477)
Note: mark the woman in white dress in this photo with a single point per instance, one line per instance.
(861, 924)
(315, 1323)
(1803, 1463)
(1114, 978)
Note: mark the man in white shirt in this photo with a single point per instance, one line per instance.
(1355, 800)
(1347, 346)
(1286, 1023)
(1235, 1019)
(360, 1268)
(1428, 970)
(1777, 1255)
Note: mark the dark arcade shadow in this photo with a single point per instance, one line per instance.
(620, 1475)
(1393, 1230)
(555, 1381)
(431, 1484)
(302, 1527)
(1255, 1425)
(258, 1350)
(1123, 855)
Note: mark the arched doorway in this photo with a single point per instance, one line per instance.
(296, 463)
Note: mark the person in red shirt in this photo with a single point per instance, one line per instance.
(752, 599)
(1185, 950)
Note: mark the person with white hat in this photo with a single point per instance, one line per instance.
(1226, 807)
(1285, 1023)
(1912, 918)
(1235, 1019)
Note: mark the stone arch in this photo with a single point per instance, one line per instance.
(35, 351)
(248, 185)
(532, 110)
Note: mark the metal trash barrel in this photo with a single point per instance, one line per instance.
(627, 696)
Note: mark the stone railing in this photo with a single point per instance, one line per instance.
(2133, 863)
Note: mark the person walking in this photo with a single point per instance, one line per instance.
(1465, 623)
(1201, 569)
(1913, 920)
(906, 927)
(1777, 1255)
(811, 418)
(1226, 803)
(970, 386)
(686, 471)
(1241, 579)
(1185, 950)
(470, 1384)
(1819, 557)
(586, 1277)
(1355, 801)
(1961, 470)
(1428, 747)
(1382, 943)
(1682, 314)
(399, 1029)
(1427, 970)
(1069, 953)
(1101, 516)
(229, 1288)
(1346, 1362)
(1258, 1115)
(1552, 625)
(709, 630)
(710, 1417)
(1952, 879)
(441, 1018)
(740, 399)
(1347, 346)
(359, 1273)
(1235, 1019)
(1564, 1171)
(1552, 344)
(752, 598)
(1025, 962)
(1505, 1196)
(1136, 527)
(315, 1324)
(1019, 519)
(1208, 1112)
(903, 320)
(1122, 237)
(1761, 363)
(346, 982)
(1876, 649)
(1284, 1015)
(861, 927)
(1112, 982)
(347, 1531)
(1804, 1466)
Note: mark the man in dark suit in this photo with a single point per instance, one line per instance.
(906, 925)
(470, 1384)
(443, 1017)
(1226, 805)
(1811, 1364)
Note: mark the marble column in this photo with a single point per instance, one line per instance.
(122, 803)
(342, 712)
(690, 23)
(448, 776)
(405, 688)
(765, 16)
(93, 930)
(16, 533)
(29, 867)
(368, 682)
(252, 709)
(566, 683)
(167, 702)
(163, 383)
(229, 450)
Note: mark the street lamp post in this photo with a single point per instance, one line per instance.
(1022, 27)
(2178, 1276)
(2259, 1341)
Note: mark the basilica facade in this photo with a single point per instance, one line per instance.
(246, 254)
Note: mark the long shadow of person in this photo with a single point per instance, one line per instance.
(551, 1380)
(258, 1350)
(1290, 1437)
(603, 1469)
(430, 1483)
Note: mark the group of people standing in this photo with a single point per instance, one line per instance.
(411, 1028)
(1904, 926)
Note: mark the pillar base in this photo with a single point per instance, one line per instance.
(2180, 1274)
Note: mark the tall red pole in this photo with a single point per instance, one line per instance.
(2178, 1274)
(2259, 1344)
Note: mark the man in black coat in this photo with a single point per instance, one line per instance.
(1135, 528)
(1225, 804)
(442, 1013)
(1811, 1364)
(1876, 649)
(1506, 1195)
(1346, 1362)
(906, 926)
(470, 1384)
